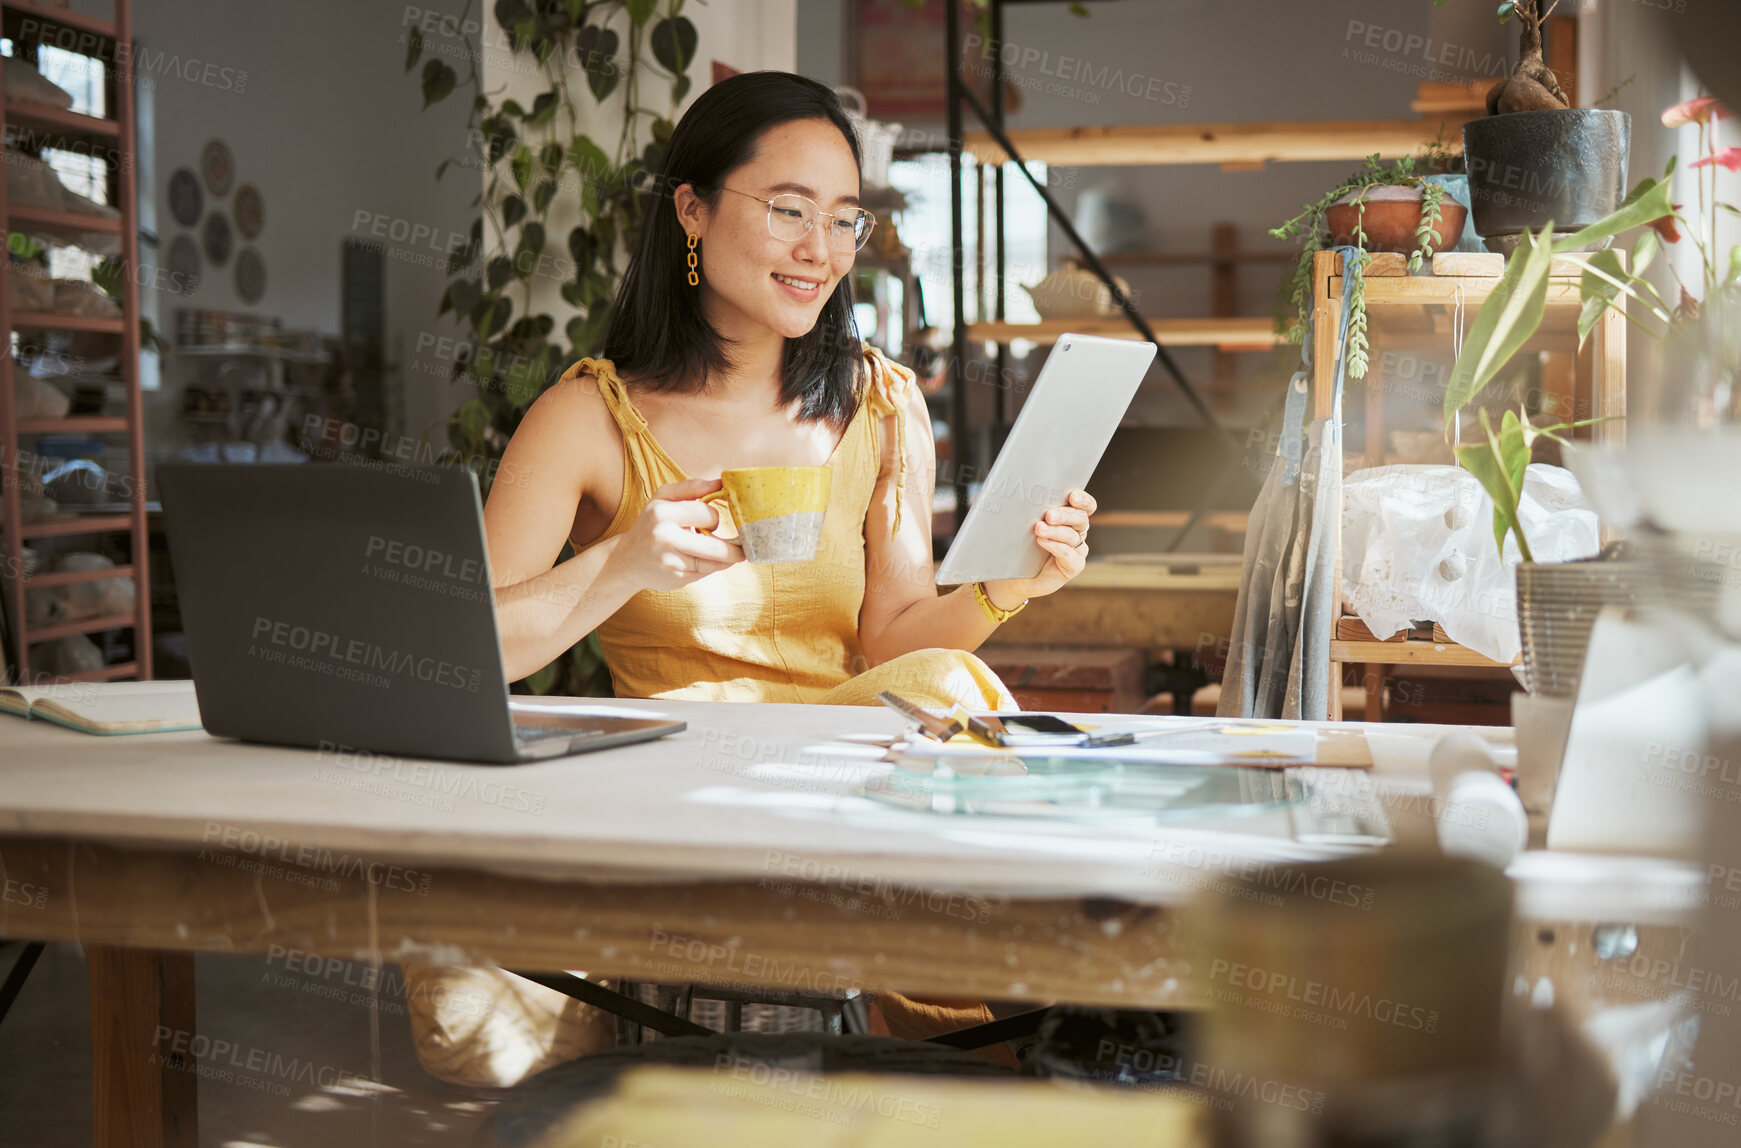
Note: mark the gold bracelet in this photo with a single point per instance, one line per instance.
(997, 616)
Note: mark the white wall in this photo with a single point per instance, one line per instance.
(749, 35)
(313, 100)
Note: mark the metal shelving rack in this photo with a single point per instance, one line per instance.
(1234, 146)
(28, 25)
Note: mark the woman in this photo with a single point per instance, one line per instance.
(732, 344)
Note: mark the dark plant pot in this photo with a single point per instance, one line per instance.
(1390, 223)
(1526, 169)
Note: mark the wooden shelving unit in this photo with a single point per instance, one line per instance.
(1239, 334)
(1413, 310)
(113, 138)
(1237, 145)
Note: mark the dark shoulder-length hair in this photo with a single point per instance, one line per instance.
(657, 332)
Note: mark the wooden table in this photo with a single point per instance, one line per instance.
(1157, 602)
(732, 852)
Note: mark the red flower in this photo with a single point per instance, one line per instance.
(1729, 157)
(1697, 111)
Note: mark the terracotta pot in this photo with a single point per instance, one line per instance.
(1392, 214)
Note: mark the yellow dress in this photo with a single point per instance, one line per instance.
(752, 633)
(781, 632)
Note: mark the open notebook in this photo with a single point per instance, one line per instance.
(107, 707)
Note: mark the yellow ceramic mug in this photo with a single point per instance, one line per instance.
(778, 509)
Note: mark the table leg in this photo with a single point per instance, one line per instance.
(144, 1092)
(1374, 680)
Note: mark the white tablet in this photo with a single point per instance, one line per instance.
(1053, 447)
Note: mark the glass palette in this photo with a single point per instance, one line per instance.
(1036, 783)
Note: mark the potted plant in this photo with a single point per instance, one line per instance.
(1534, 158)
(1397, 207)
(1699, 332)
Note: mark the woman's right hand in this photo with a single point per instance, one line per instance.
(665, 549)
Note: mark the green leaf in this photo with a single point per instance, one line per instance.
(1734, 274)
(604, 235)
(544, 680)
(576, 10)
(464, 295)
(674, 43)
(438, 81)
(679, 89)
(580, 246)
(1597, 293)
(640, 11)
(513, 108)
(525, 378)
(1481, 462)
(542, 195)
(597, 50)
(473, 419)
(522, 164)
(531, 239)
(1499, 465)
(1505, 322)
(589, 159)
(543, 108)
(662, 129)
(588, 333)
(513, 210)
(1515, 438)
(1649, 242)
(500, 134)
(550, 155)
(500, 274)
(413, 47)
(1648, 202)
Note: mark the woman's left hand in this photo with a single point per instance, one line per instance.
(1061, 532)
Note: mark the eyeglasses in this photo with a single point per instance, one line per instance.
(790, 218)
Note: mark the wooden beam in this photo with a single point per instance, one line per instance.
(1168, 572)
(1439, 99)
(1194, 258)
(1249, 334)
(1234, 520)
(1137, 618)
(1248, 143)
(1223, 295)
(1382, 292)
(1411, 653)
(828, 933)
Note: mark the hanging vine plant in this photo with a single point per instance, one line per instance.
(529, 159)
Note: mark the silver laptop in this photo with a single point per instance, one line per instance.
(350, 606)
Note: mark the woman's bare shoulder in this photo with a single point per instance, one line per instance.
(570, 430)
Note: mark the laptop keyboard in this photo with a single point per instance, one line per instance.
(525, 733)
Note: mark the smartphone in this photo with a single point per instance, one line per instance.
(1034, 729)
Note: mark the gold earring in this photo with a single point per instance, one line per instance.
(694, 279)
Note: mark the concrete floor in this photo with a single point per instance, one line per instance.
(286, 1014)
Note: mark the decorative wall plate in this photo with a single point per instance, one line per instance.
(218, 165)
(184, 265)
(250, 211)
(186, 201)
(250, 275)
(217, 238)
